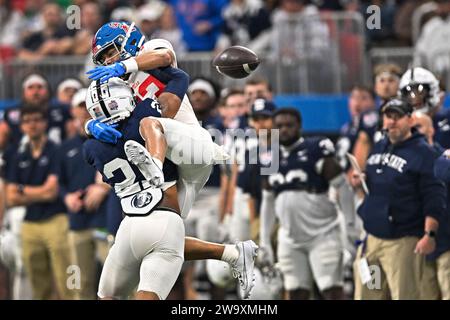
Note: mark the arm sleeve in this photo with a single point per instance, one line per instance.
(11, 173)
(267, 219)
(87, 155)
(176, 80)
(432, 190)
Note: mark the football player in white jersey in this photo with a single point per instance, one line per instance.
(112, 102)
(120, 51)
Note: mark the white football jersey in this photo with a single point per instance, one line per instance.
(147, 86)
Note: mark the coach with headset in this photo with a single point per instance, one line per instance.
(400, 212)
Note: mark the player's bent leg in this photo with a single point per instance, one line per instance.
(161, 266)
(190, 144)
(120, 273)
(191, 181)
(147, 164)
(159, 272)
(196, 249)
(152, 130)
(240, 256)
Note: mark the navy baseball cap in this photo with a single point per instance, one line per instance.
(398, 105)
(262, 107)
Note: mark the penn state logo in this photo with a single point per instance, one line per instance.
(141, 200)
(113, 105)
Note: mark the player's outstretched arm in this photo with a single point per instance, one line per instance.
(154, 59)
(266, 226)
(174, 92)
(146, 61)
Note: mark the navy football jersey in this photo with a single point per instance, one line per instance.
(215, 127)
(111, 161)
(346, 142)
(300, 166)
(370, 123)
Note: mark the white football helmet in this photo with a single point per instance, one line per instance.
(421, 88)
(268, 284)
(219, 273)
(110, 102)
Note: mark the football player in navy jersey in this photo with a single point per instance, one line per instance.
(422, 89)
(125, 165)
(310, 247)
(436, 283)
(248, 185)
(361, 99)
(149, 244)
(238, 142)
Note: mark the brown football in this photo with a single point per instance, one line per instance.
(236, 62)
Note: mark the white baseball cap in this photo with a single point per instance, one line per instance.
(69, 83)
(34, 78)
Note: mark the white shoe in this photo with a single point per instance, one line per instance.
(243, 269)
(138, 155)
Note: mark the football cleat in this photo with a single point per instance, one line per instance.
(243, 268)
(138, 155)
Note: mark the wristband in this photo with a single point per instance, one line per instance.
(130, 65)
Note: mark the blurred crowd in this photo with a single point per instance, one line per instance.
(49, 28)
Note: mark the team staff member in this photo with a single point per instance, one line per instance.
(401, 212)
(33, 182)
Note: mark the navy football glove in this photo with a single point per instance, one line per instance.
(103, 132)
(106, 72)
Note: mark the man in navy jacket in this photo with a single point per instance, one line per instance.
(401, 211)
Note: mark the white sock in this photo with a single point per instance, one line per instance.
(230, 254)
(158, 163)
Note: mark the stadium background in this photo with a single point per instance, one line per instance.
(316, 84)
